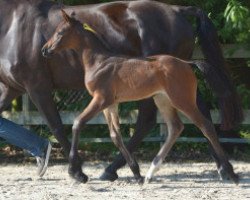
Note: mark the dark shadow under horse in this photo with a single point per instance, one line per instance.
(136, 28)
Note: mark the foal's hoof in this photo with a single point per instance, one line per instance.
(79, 176)
(228, 175)
(108, 176)
(147, 180)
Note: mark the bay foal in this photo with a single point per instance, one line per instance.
(111, 79)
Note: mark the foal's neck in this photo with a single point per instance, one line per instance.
(93, 51)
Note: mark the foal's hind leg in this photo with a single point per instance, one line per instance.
(207, 128)
(111, 115)
(145, 121)
(175, 128)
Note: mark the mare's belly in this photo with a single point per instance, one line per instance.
(7, 76)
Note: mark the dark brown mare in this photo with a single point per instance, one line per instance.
(112, 79)
(138, 28)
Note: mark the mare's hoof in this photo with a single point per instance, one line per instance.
(108, 176)
(140, 180)
(226, 175)
(79, 176)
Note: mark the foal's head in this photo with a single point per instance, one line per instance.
(66, 36)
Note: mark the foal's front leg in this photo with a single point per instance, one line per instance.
(95, 106)
(111, 115)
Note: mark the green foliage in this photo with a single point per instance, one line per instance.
(244, 93)
(231, 17)
(237, 22)
(244, 131)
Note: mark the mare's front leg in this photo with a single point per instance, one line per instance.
(111, 115)
(43, 100)
(97, 104)
(145, 122)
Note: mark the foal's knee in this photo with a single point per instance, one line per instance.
(179, 127)
(77, 126)
(116, 139)
(176, 127)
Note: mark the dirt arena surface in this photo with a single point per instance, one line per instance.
(181, 181)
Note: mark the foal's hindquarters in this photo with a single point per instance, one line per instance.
(180, 95)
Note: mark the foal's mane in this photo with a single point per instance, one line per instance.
(83, 26)
(88, 28)
(97, 35)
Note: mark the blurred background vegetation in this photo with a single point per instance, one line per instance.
(232, 20)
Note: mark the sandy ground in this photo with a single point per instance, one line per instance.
(174, 181)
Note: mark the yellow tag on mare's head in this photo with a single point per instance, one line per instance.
(88, 28)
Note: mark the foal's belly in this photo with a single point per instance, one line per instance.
(142, 91)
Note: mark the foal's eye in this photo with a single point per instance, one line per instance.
(60, 33)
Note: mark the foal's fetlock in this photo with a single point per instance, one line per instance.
(154, 167)
(226, 172)
(149, 177)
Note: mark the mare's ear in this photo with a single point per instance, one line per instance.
(66, 17)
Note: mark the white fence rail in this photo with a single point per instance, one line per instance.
(34, 118)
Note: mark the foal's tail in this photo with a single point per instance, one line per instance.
(228, 100)
(215, 71)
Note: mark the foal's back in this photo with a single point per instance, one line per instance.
(129, 79)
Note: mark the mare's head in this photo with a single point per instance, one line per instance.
(66, 36)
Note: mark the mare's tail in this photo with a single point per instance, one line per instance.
(229, 104)
(215, 71)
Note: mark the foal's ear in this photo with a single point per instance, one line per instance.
(66, 17)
